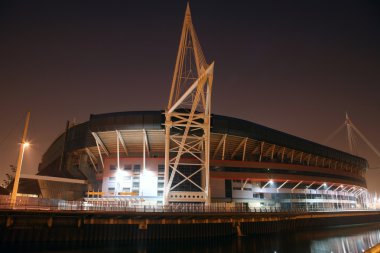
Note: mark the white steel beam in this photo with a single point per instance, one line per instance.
(245, 182)
(273, 149)
(261, 150)
(100, 153)
(282, 185)
(300, 182)
(146, 142)
(269, 182)
(338, 187)
(220, 144)
(144, 159)
(191, 89)
(122, 142)
(377, 152)
(244, 149)
(255, 149)
(321, 186)
(310, 185)
(92, 158)
(330, 187)
(224, 148)
(118, 152)
(283, 154)
(100, 142)
(266, 153)
(243, 142)
(54, 179)
(358, 191)
(187, 124)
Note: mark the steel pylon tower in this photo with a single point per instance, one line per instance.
(352, 130)
(350, 136)
(187, 124)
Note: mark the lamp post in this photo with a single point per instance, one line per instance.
(23, 145)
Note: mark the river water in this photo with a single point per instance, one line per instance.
(339, 239)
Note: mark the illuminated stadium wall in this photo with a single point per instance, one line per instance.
(249, 163)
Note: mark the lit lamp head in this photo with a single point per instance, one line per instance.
(119, 174)
(26, 144)
(146, 172)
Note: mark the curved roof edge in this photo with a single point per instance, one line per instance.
(235, 126)
(154, 120)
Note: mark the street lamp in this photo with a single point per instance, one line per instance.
(23, 145)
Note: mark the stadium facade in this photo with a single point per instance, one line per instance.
(184, 154)
(249, 164)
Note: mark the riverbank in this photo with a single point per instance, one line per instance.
(21, 226)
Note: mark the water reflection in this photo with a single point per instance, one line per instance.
(354, 243)
(341, 239)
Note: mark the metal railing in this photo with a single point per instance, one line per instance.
(38, 204)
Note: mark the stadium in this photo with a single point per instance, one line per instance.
(249, 164)
(185, 154)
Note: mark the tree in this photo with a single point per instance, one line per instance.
(9, 176)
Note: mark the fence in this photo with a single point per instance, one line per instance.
(28, 203)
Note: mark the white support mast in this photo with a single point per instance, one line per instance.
(187, 124)
(351, 131)
(351, 128)
(350, 136)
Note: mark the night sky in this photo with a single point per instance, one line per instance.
(296, 66)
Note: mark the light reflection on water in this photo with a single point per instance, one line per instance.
(350, 243)
(340, 239)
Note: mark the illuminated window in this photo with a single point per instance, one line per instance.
(161, 169)
(136, 168)
(128, 167)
